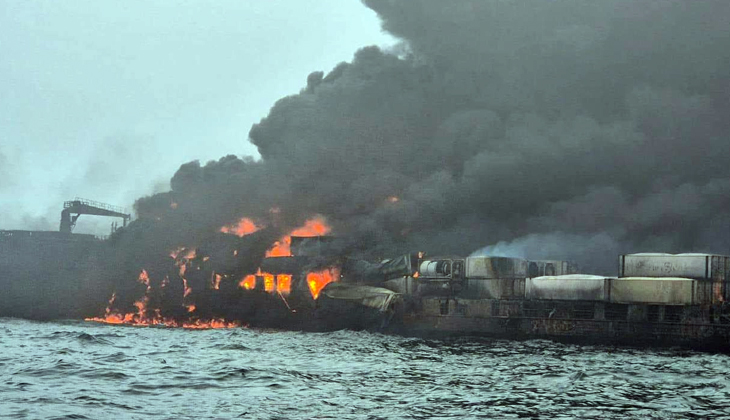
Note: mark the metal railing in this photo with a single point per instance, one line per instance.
(78, 200)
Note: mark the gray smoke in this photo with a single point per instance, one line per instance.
(561, 129)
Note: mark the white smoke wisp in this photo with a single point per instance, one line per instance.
(556, 246)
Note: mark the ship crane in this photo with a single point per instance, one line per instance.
(79, 206)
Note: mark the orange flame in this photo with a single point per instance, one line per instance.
(318, 280)
(272, 283)
(186, 290)
(393, 199)
(244, 227)
(312, 227)
(182, 261)
(189, 253)
(143, 317)
(283, 283)
(214, 323)
(248, 282)
(269, 285)
(281, 248)
(144, 278)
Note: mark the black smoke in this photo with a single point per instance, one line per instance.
(562, 129)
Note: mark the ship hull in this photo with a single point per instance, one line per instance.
(50, 275)
(583, 322)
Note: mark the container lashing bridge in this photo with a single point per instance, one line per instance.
(79, 206)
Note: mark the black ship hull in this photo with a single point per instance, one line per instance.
(50, 275)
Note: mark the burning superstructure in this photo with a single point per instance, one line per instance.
(218, 286)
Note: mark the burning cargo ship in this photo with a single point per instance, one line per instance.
(247, 274)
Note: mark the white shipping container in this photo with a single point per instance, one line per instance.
(661, 291)
(577, 287)
(697, 266)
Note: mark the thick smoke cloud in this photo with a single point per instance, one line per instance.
(561, 129)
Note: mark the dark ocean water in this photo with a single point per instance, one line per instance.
(86, 370)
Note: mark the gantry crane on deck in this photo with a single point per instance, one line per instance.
(80, 206)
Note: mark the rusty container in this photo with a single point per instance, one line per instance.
(495, 278)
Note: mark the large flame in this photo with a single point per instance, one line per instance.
(244, 227)
(280, 283)
(312, 227)
(319, 279)
(186, 259)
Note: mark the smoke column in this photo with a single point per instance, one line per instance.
(562, 129)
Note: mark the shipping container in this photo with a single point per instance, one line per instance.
(577, 287)
(496, 268)
(539, 268)
(652, 290)
(695, 266)
(476, 288)
(713, 270)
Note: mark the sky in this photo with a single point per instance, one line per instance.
(105, 100)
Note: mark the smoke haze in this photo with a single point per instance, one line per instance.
(105, 100)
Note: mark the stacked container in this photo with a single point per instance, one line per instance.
(711, 272)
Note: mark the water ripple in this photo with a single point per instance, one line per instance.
(83, 370)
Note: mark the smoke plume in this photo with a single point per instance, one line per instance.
(562, 129)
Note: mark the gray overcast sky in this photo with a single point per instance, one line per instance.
(105, 99)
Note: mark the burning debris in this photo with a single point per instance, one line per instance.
(244, 227)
